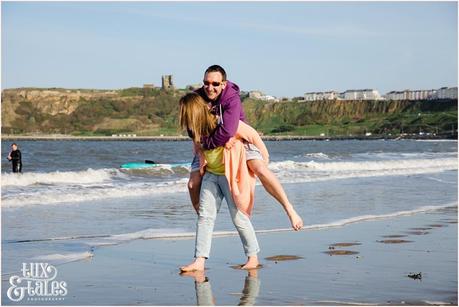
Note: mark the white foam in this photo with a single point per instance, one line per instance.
(317, 155)
(437, 303)
(53, 197)
(340, 303)
(409, 164)
(168, 234)
(65, 258)
(440, 180)
(89, 176)
(441, 140)
(92, 185)
(292, 172)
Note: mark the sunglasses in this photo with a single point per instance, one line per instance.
(215, 83)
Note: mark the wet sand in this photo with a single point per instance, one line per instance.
(372, 262)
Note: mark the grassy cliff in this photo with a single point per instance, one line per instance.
(153, 112)
(343, 118)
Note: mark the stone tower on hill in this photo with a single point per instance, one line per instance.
(167, 82)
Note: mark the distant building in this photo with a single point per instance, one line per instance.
(365, 94)
(255, 94)
(312, 96)
(149, 85)
(260, 96)
(269, 98)
(447, 93)
(442, 93)
(167, 82)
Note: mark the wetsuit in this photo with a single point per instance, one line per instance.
(16, 159)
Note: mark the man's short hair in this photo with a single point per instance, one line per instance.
(14, 144)
(217, 68)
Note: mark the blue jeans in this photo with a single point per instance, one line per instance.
(213, 189)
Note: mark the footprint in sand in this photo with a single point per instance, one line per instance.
(283, 258)
(449, 221)
(345, 244)
(417, 233)
(394, 241)
(340, 252)
(334, 252)
(437, 225)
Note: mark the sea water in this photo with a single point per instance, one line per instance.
(73, 198)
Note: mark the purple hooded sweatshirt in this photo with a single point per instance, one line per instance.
(231, 108)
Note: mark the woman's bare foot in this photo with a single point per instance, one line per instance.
(196, 265)
(295, 220)
(252, 263)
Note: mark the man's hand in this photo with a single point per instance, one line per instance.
(230, 143)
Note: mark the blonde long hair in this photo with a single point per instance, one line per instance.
(195, 115)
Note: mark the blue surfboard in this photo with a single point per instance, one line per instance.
(137, 165)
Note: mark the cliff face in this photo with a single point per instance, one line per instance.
(53, 102)
(305, 112)
(149, 112)
(66, 111)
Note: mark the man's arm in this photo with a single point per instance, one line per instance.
(231, 115)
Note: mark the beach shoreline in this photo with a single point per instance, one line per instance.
(376, 262)
(185, 138)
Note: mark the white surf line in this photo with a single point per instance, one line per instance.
(54, 257)
(339, 303)
(65, 257)
(440, 180)
(145, 235)
(190, 235)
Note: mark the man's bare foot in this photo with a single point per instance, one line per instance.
(252, 263)
(196, 265)
(295, 220)
(198, 276)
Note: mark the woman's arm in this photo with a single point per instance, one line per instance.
(249, 134)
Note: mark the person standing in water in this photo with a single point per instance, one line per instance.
(15, 157)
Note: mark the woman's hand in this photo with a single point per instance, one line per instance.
(230, 142)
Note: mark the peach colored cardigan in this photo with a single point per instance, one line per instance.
(240, 178)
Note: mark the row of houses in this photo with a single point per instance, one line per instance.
(372, 94)
(364, 94)
(442, 93)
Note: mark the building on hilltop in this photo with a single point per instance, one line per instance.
(365, 94)
(167, 82)
(260, 96)
(442, 93)
(447, 93)
(312, 96)
(255, 94)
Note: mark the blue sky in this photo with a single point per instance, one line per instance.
(282, 49)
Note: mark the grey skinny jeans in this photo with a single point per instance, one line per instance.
(213, 189)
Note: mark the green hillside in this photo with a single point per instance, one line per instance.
(151, 112)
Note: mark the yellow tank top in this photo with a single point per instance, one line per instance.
(214, 158)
